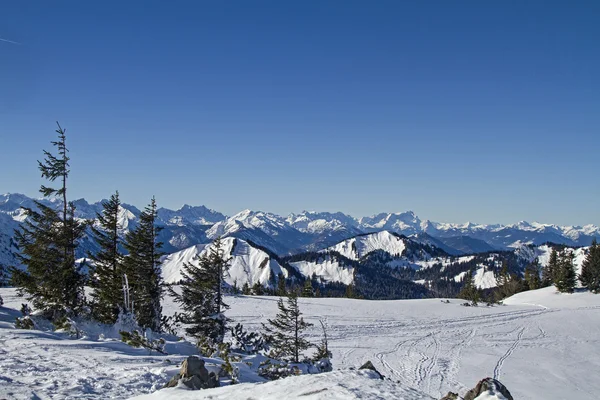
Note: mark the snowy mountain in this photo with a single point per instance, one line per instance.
(266, 229)
(190, 215)
(359, 246)
(314, 231)
(248, 264)
(406, 223)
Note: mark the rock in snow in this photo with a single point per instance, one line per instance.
(194, 375)
(488, 389)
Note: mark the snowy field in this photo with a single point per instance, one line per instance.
(541, 345)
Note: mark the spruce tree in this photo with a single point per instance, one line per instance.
(281, 290)
(2, 279)
(285, 333)
(106, 269)
(469, 290)
(549, 270)
(47, 240)
(307, 290)
(142, 267)
(532, 275)
(564, 276)
(590, 269)
(201, 295)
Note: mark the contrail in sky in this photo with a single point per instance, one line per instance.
(8, 41)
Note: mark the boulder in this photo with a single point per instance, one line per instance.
(369, 365)
(490, 387)
(450, 396)
(194, 375)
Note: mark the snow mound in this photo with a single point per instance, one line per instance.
(359, 246)
(549, 297)
(248, 264)
(333, 385)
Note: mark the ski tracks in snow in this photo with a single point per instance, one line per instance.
(509, 352)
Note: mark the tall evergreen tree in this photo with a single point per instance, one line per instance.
(47, 240)
(549, 270)
(285, 333)
(590, 269)
(106, 269)
(469, 290)
(532, 275)
(201, 296)
(564, 276)
(142, 267)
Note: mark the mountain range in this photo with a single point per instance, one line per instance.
(308, 230)
(394, 255)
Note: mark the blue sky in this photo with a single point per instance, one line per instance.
(464, 110)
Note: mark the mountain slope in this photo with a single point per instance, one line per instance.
(248, 264)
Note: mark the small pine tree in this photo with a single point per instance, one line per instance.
(106, 269)
(246, 289)
(590, 269)
(469, 290)
(47, 240)
(142, 267)
(323, 351)
(565, 276)
(201, 295)
(307, 291)
(550, 269)
(281, 290)
(2, 279)
(285, 333)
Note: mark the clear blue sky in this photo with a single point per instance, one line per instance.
(487, 111)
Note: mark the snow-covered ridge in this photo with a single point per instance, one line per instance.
(359, 246)
(248, 264)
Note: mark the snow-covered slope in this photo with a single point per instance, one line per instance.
(336, 385)
(248, 264)
(541, 345)
(359, 246)
(268, 230)
(327, 268)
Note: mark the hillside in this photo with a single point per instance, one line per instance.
(425, 347)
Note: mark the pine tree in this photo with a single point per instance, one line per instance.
(281, 290)
(285, 333)
(532, 275)
(590, 269)
(2, 279)
(323, 351)
(106, 270)
(201, 295)
(549, 270)
(307, 291)
(142, 267)
(47, 240)
(469, 291)
(564, 275)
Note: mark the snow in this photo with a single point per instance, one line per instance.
(484, 279)
(328, 269)
(540, 344)
(360, 246)
(333, 385)
(248, 264)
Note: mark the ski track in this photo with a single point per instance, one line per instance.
(509, 352)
